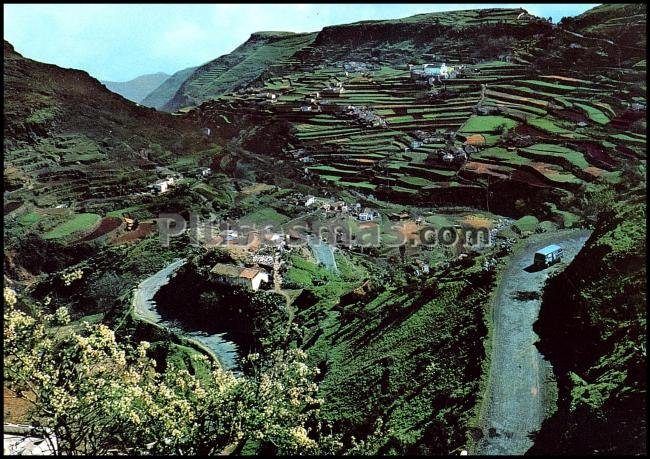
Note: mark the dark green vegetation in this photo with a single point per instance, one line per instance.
(558, 117)
(67, 139)
(593, 330)
(249, 318)
(138, 88)
(401, 364)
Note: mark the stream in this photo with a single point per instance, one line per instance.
(145, 308)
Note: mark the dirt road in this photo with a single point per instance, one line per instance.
(513, 406)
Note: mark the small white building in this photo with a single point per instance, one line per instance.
(435, 69)
(230, 235)
(310, 200)
(253, 277)
(162, 186)
(205, 172)
(249, 277)
(368, 215)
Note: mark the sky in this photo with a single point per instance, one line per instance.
(118, 42)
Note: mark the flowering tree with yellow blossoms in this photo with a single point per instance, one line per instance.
(96, 395)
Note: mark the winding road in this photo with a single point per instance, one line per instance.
(514, 403)
(144, 308)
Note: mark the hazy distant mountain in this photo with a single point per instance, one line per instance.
(163, 93)
(137, 88)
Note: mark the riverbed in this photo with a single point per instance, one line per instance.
(145, 308)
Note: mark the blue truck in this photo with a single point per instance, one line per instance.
(548, 256)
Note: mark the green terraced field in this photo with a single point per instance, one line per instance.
(79, 222)
(487, 124)
(574, 157)
(593, 113)
(341, 148)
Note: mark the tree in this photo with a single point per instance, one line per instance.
(94, 394)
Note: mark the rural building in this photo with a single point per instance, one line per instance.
(336, 90)
(162, 186)
(230, 235)
(368, 215)
(310, 108)
(235, 275)
(426, 71)
(310, 200)
(205, 172)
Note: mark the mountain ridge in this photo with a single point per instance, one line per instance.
(137, 88)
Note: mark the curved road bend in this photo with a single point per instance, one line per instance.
(514, 405)
(144, 308)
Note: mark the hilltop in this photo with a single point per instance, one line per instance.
(397, 41)
(137, 88)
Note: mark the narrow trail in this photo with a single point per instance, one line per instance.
(515, 402)
(277, 288)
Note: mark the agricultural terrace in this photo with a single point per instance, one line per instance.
(551, 131)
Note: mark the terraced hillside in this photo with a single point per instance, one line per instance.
(70, 142)
(503, 130)
(419, 37)
(237, 69)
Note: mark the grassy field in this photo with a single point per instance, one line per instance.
(79, 222)
(487, 124)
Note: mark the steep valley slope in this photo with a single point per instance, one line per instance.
(552, 132)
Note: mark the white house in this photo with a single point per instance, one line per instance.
(253, 277)
(249, 277)
(162, 186)
(310, 200)
(230, 235)
(368, 215)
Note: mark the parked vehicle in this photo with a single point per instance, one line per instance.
(548, 256)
